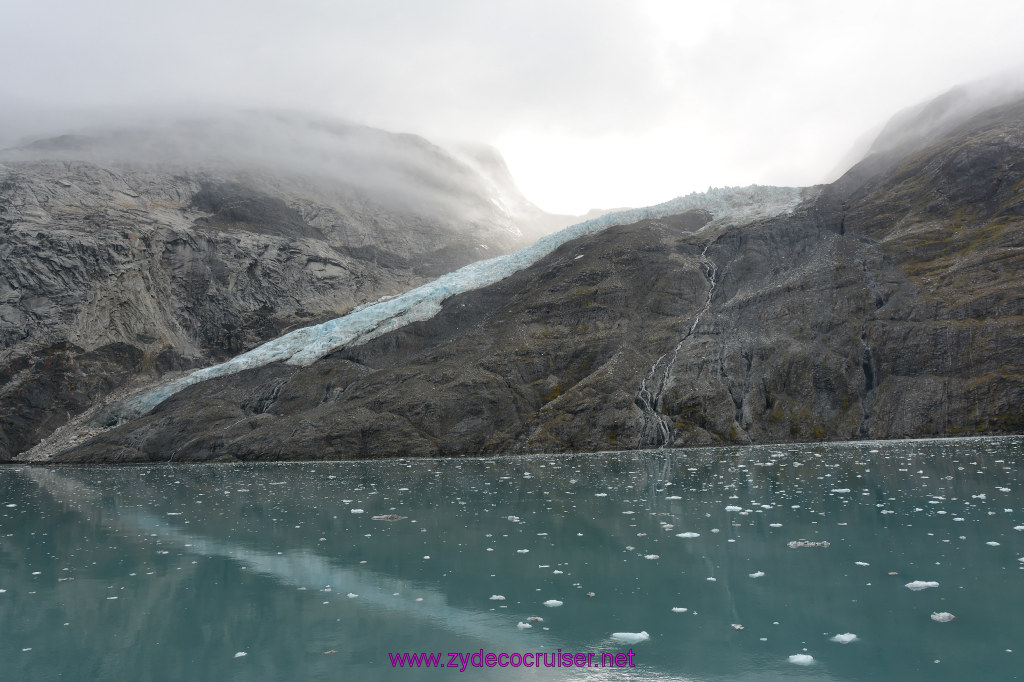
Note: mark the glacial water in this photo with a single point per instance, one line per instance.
(863, 561)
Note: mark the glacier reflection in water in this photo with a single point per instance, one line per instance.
(862, 561)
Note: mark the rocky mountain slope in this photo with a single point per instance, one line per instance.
(887, 304)
(129, 255)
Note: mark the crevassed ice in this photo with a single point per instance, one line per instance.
(727, 205)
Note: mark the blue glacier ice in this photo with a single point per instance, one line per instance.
(727, 205)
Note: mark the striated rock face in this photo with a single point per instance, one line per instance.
(887, 304)
(128, 255)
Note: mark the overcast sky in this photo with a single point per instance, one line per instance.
(593, 103)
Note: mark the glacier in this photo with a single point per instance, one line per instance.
(728, 206)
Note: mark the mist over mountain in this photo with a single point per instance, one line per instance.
(131, 252)
(886, 304)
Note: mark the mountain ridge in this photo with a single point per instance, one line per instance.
(883, 305)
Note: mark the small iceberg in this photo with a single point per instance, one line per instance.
(646, 556)
(733, 508)
(497, 597)
(861, 563)
(240, 654)
(688, 534)
(631, 637)
(942, 617)
(679, 609)
(801, 659)
(844, 638)
(673, 497)
(523, 626)
(840, 490)
(919, 585)
(757, 574)
(552, 603)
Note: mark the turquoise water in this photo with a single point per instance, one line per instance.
(173, 572)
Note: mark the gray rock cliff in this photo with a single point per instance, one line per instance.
(131, 255)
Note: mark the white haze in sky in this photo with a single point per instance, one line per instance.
(593, 103)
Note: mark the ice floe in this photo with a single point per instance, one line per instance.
(631, 637)
(688, 534)
(801, 659)
(552, 603)
(942, 617)
(679, 609)
(757, 574)
(523, 626)
(918, 585)
(844, 638)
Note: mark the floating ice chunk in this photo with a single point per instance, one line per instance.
(240, 654)
(352, 595)
(534, 619)
(942, 617)
(712, 580)
(357, 511)
(775, 525)
(651, 556)
(1018, 527)
(631, 637)
(552, 603)
(497, 597)
(11, 506)
(2, 591)
(688, 534)
(523, 626)
(673, 497)
(801, 659)
(840, 490)
(679, 609)
(844, 638)
(979, 496)
(757, 574)
(557, 572)
(600, 494)
(513, 518)
(733, 508)
(861, 563)
(919, 585)
(522, 551)
(992, 543)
